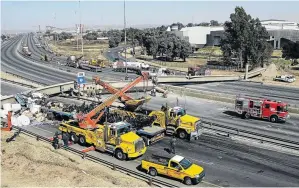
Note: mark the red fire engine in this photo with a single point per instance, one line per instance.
(262, 108)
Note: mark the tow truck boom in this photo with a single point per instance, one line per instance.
(87, 122)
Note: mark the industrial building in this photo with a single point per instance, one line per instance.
(280, 32)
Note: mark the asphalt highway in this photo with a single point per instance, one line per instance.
(252, 89)
(44, 72)
(227, 162)
(10, 88)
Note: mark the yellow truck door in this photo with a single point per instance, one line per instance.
(173, 170)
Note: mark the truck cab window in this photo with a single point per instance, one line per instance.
(279, 108)
(174, 165)
(267, 105)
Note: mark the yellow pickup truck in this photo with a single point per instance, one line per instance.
(173, 166)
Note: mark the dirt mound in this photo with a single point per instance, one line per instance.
(26, 162)
(270, 73)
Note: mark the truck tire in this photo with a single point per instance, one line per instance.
(119, 154)
(74, 138)
(187, 181)
(152, 171)
(273, 118)
(182, 134)
(82, 140)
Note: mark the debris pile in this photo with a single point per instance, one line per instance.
(35, 108)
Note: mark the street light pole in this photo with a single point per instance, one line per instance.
(81, 29)
(126, 78)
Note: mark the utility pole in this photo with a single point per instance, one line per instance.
(77, 32)
(126, 78)
(55, 36)
(81, 29)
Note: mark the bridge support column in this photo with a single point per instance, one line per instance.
(246, 71)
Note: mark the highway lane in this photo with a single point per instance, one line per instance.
(11, 89)
(17, 64)
(223, 113)
(107, 73)
(40, 71)
(287, 94)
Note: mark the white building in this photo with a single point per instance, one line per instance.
(199, 36)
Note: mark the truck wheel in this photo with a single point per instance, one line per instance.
(119, 154)
(182, 134)
(152, 171)
(187, 181)
(273, 119)
(247, 115)
(74, 138)
(82, 140)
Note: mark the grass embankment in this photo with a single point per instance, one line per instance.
(28, 163)
(92, 49)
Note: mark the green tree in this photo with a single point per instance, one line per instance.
(291, 51)
(245, 38)
(179, 24)
(112, 43)
(190, 25)
(203, 24)
(214, 23)
(3, 37)
(186, 50)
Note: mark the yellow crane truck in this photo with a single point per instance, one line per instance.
(115, 138)
(173, 166)
(177, 122)
(174, 121)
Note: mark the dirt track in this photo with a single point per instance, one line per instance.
(28, 163)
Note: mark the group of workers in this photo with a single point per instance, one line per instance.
(65, 139)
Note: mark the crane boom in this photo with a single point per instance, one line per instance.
(112, 89)
(87, 122)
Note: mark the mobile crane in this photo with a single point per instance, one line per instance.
(142, 124)
(116, 138)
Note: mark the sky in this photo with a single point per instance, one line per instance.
(27, 15)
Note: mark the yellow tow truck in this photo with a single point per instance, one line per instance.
(173, 166)
(177, 122)
(114, 138)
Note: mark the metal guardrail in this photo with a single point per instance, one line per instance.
(150, 180)
(18, 83)
(252, 135)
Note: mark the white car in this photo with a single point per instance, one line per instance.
(285, 78)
